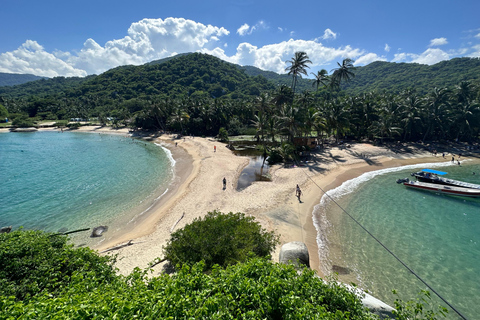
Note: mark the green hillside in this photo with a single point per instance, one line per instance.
(13, 79)
(188, 75)
(192, 75)
(395, 77)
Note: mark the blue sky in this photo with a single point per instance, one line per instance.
(77, 38)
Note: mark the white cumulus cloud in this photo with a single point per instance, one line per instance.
(438, 42)
(244, 29)
(31, 58)
(368, 58)
(329, 34)
(431, 56)
(273, 57)
(387, 47)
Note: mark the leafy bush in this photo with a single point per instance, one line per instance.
(223, 135)
(74, 125)
(420, 309)
(34, 262)
(61, 123)
(22, 122)
(257, 289)
(218, 238)
(67, 283)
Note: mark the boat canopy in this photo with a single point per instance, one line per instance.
(440, 173)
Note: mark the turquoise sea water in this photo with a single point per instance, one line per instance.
(435, 235)
(52, 181)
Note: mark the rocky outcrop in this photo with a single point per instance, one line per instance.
(295, 253)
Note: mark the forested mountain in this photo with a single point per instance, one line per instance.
(393, 77)
(203, 75)
(43, 87)
(12, 79)
(192, 75)
(188, 75)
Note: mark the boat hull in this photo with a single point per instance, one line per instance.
(435, 179)
(444, 189)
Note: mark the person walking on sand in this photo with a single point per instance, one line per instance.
(224, 183)
(298, 192)
(214, 148)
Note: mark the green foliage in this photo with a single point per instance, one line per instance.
(419, 309)
(3, 113)
(283, 153)
(12, 79)
(222, 135)
(257, 289)
(61, 123)
(22, 122)
(218, 238)
(35, 262)
(395, 77)
(74, 125)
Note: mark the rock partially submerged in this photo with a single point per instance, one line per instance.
(6, 229)
(98, 231)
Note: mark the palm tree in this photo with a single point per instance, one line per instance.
(344, 72)
(298, 66)
(410, 109)
(437, 109)
(283, 95)
(466, 110)
(321, 78)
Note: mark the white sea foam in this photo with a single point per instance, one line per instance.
(319, 217)
(169, 154)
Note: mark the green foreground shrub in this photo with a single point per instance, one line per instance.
(218, 238)
(35, 262)
(257, 289)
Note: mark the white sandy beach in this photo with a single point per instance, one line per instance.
(274, 204)
(198, 189)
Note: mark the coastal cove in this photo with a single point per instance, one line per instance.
(197, 189)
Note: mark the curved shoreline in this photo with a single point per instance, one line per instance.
(197, 189)
(273, 204)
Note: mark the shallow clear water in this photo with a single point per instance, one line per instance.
(435, 235)
(69, 180)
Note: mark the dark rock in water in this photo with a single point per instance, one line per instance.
(98, 231)
(62, 230)
(340, 270)
(6, 229)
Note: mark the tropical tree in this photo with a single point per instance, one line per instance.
(298, 66)
(321, 78)
(410, 113)
(437, 108)
(344, 72)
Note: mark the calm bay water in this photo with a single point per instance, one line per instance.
(69, 180)
(435, 235)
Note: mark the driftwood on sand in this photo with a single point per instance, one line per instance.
(175, 224)
(129, 243)
(69, 232)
